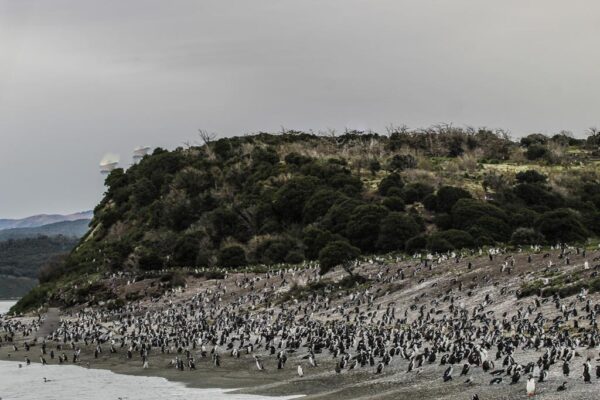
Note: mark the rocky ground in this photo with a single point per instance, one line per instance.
(421, 286)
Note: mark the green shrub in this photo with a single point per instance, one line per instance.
(526, 236)
(456, 238)
(562, 225)
(393, 203)
(232, 257)
(391, 181)
(416, 243)
(437, 244)
(338, 252)
(396, 228)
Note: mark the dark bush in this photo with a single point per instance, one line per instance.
(363, 226)
(416, 243)
(536, 151)
(396, 228)
(294, 257)
(531, 176)
(150, 260)
(438, 244)
(319, 203)
(338, 252)
(562, 225)
(391, 181)
(232, 257)
(416, 192)
(458, 239)
(314, 239)
(400, 162)
(526, 236)
(447, 196)
(290, 198)
(393, 203)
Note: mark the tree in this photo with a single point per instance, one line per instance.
(186, 251)
(149, 260)
(400, 162)
(526, 236)
(438, 244)
(338, 252)
(363, 226)
(458, 239)
(206, 137)
(536, 151)
(416, 243)
(391, 181)
(290, 198)
(447, 196)
(395, 230)
(416, 192)
(319, 203)
(232, 257)
(530, 176)
(394, 203)
(562, 225)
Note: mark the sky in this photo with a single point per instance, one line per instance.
(82, 78)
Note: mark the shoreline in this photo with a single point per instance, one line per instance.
(241, 376)
(93, 377)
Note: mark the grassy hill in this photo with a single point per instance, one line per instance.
(22, 259)
(269, 199)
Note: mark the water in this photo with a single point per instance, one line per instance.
(5, 305)
(69, 382)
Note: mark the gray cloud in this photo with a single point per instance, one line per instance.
(79, 79)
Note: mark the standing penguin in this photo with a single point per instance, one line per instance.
(530, 387)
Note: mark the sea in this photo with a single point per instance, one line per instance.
(68, 382)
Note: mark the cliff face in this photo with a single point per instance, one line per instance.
(268, 199)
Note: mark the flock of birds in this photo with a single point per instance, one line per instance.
(411, 316)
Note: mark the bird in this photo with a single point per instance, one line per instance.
(530, 387)
(259, 363)
(300, 371)
(496, 381)
(565, 368)
(562, 387)
(448, 374)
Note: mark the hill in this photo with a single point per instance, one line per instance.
(21, 260)
(269, 199)
(76, 229)
(42, 219)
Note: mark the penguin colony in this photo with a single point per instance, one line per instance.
(457, 318)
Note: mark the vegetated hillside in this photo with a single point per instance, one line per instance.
(75, 229)
(21, 260)
(266, 199)
(42, 219)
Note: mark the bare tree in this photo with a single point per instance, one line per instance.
(206, 136)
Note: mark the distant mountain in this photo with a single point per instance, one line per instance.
(43, 219)
(76, 228)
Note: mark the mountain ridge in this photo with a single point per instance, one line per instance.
(42, 219)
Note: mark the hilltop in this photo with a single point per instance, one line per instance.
(265, 199)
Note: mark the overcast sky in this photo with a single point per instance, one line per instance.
(79, 79)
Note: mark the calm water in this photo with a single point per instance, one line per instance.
(68, 382)
(5, 305)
